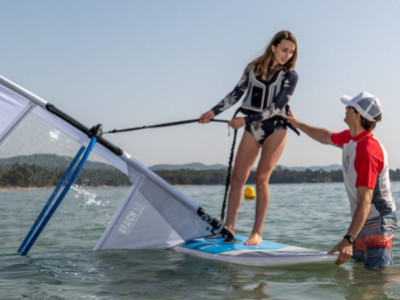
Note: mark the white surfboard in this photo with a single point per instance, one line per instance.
(266, 254)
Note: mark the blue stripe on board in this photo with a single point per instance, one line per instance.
(216, 246)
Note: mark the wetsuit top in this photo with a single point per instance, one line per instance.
(365, 164)
(280, 99)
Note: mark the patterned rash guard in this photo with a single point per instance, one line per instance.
(365, 164)
(280, 101)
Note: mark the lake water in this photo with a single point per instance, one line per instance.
(62, 265)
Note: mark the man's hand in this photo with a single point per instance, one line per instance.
(291, 119)
(345, 250)
(319, 134)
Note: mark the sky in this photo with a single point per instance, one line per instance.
(128, 63)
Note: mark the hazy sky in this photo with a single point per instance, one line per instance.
(132, 63)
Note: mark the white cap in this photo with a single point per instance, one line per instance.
(366, 104)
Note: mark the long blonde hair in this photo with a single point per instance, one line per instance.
(263, 63)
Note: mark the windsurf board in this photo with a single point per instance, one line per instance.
(267, 253)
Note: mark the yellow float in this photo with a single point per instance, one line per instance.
(249, 193)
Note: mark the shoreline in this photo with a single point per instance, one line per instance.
(21, 188)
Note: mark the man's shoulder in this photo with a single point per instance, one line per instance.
(369, 143)
(341, 138)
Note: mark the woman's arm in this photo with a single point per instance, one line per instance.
(233, 97)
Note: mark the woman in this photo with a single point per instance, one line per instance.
(269, 82)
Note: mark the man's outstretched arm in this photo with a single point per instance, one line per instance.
(321, 135)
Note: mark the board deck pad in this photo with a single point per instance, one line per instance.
(268, 253)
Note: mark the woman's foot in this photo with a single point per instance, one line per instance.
(231, 229)
(254, 240)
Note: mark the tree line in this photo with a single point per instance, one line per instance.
(280, 175)
(26, 175)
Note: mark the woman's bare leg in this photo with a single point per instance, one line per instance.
(271, 151)
(245, 158)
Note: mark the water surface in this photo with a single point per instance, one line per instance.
(62, 265)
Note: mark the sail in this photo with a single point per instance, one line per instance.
(153, 215)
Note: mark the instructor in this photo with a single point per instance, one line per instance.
(366, 177)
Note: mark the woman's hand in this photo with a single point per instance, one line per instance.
(207, 117)
(237, 122)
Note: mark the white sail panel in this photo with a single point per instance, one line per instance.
(16, 102)
(81, 137)
(13, 108)
(130, 228)
(153, 215)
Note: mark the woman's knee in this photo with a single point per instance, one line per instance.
(237, 180)
(262, 180)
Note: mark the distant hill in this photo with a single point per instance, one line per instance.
(328, 168)
(191, 166)
(46, 170)
(201, 167)
(57, 161)
(50, 161)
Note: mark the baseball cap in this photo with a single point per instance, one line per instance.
(365, 103)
